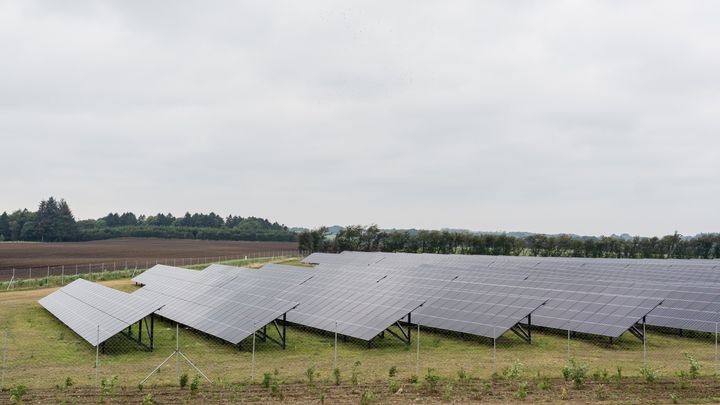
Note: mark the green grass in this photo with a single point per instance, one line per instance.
(43, 352)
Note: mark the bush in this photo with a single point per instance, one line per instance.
(183, 380)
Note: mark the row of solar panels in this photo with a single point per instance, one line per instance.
(671, 270)
(684, 305)
(362, 294)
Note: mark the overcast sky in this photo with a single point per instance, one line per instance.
(570, 116)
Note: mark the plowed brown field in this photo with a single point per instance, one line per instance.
(126, 249)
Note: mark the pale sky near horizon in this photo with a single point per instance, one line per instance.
(584, 117)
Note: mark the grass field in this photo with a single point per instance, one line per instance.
(40, 353)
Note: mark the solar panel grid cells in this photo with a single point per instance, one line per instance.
(84, 306)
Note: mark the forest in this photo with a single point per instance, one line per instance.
(372, 238)
(54, 222)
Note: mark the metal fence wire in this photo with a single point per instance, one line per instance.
(44, 276)
(42, 353)
(39, 352)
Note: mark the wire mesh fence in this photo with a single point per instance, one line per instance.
(42, 353)
(47, 276)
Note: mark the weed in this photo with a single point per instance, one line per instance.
(544, 385)
(148, 399)
(183, 380)
(310, 375)
(432, 379)
(354, 374)
(392, 372)
(674, 398)
(618, 374)
(447, 392)
(17, 393)
(367, 397)
(564, 394)
(267, 379)
(648, 373)
(336, 376)
(575, 372)
(413, 379)
(513, 372)
(393, 385)
(69, 382)
(322, 397)
(276, 389)
(693, 365)
(462, 375)
(522, 390)
(195, 384)
(601, 375)
(487, 387)
(107, 387)
(601, 393)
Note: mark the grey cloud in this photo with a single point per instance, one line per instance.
(585, 117)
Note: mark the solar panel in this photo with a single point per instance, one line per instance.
(246, 300)
(84, 306)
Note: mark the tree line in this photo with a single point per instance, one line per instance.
(55, 222)
(374, 239)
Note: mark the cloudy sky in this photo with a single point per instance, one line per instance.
(569, 116)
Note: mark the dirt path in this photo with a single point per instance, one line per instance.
(24, 295)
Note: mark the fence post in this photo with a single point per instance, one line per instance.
(97, 356)
(48, 274)
(62, 276)
(644, 346)
(716, 348)
(30, 276)
(4, 359)
(177, 351)
(76, 269)
(335, 350)
(568, 346)
(494, 348)
(252, 370)
(417, 353)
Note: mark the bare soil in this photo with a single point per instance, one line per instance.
(627, 391)
(26, 254)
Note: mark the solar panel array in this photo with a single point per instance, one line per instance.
(689, 289)
(225, 311)
(447, 304)
(85, 306)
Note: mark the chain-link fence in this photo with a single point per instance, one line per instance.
(48, 276)
(38, 351)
